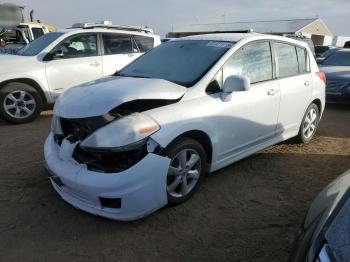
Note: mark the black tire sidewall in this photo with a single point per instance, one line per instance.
(172, 150)
(301, 136)
(14, 86)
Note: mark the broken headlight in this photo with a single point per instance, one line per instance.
(56, 125)
(122, 132)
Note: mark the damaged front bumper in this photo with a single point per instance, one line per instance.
(128, 195)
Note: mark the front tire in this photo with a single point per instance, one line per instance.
(309, 124)
(19, 103)
(187, 168)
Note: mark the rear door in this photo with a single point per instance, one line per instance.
(80, 63)
(295, 81)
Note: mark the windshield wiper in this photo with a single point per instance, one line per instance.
(134, 76)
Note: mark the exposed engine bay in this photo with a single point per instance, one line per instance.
(108, 161)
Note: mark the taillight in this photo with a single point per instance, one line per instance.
(322, 75)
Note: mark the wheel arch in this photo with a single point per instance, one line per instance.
(201, 137)
(27, 81)
(319, 105)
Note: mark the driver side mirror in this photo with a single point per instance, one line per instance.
(234, 83)
(57, 54)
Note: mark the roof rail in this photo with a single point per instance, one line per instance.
(109, 25)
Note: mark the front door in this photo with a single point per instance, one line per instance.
(79, 62)
(249, 118)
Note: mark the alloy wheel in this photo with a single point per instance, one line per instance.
(184, 171)
(19, 104)
(310, 123)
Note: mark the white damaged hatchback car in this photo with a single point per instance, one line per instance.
(126, 145)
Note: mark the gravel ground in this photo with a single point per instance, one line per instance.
(249, 211)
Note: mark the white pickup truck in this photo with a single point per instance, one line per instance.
(14, 39)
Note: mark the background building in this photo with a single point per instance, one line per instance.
(314, 28)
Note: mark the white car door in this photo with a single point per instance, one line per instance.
(119, 50)
(295, 80)
(250, 117)
(76, 60)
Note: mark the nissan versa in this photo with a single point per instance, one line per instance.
(126, 145)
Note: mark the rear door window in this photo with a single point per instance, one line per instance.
(286, 58)
(144, 43)
(253, 61)
(115, 44)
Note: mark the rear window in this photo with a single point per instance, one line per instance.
(287, 61)
(144, 43)
(338, 59)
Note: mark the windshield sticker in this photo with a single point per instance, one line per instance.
(220, 44)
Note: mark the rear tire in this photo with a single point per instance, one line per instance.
(309, 124)
(19, 103)
(187, 169)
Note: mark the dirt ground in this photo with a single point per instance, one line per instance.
(249, 211)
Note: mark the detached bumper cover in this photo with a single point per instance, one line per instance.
(142, 187)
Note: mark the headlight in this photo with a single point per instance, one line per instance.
(122, 132)
(56, 126)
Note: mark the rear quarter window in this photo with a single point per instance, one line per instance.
(303, 60)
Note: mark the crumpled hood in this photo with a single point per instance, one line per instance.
(336, 72)
(98, 97)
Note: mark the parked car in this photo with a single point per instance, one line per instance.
(32, 79)
(325, 233)
(124, 146)
(163, 40)
(337, 69)
(20, 36)
(321, 49)
(321, 58)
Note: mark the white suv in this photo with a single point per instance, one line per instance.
(126, 145)
(34, 78)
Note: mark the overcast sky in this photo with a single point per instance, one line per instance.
(163, 15)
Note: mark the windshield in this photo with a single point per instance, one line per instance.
(338, 59)
(39, 44)
(182, 62)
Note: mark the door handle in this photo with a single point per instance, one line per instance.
(272, 92)
(307, 83)
(95, 64)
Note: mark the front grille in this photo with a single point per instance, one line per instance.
(81, 128)
(336, 85)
